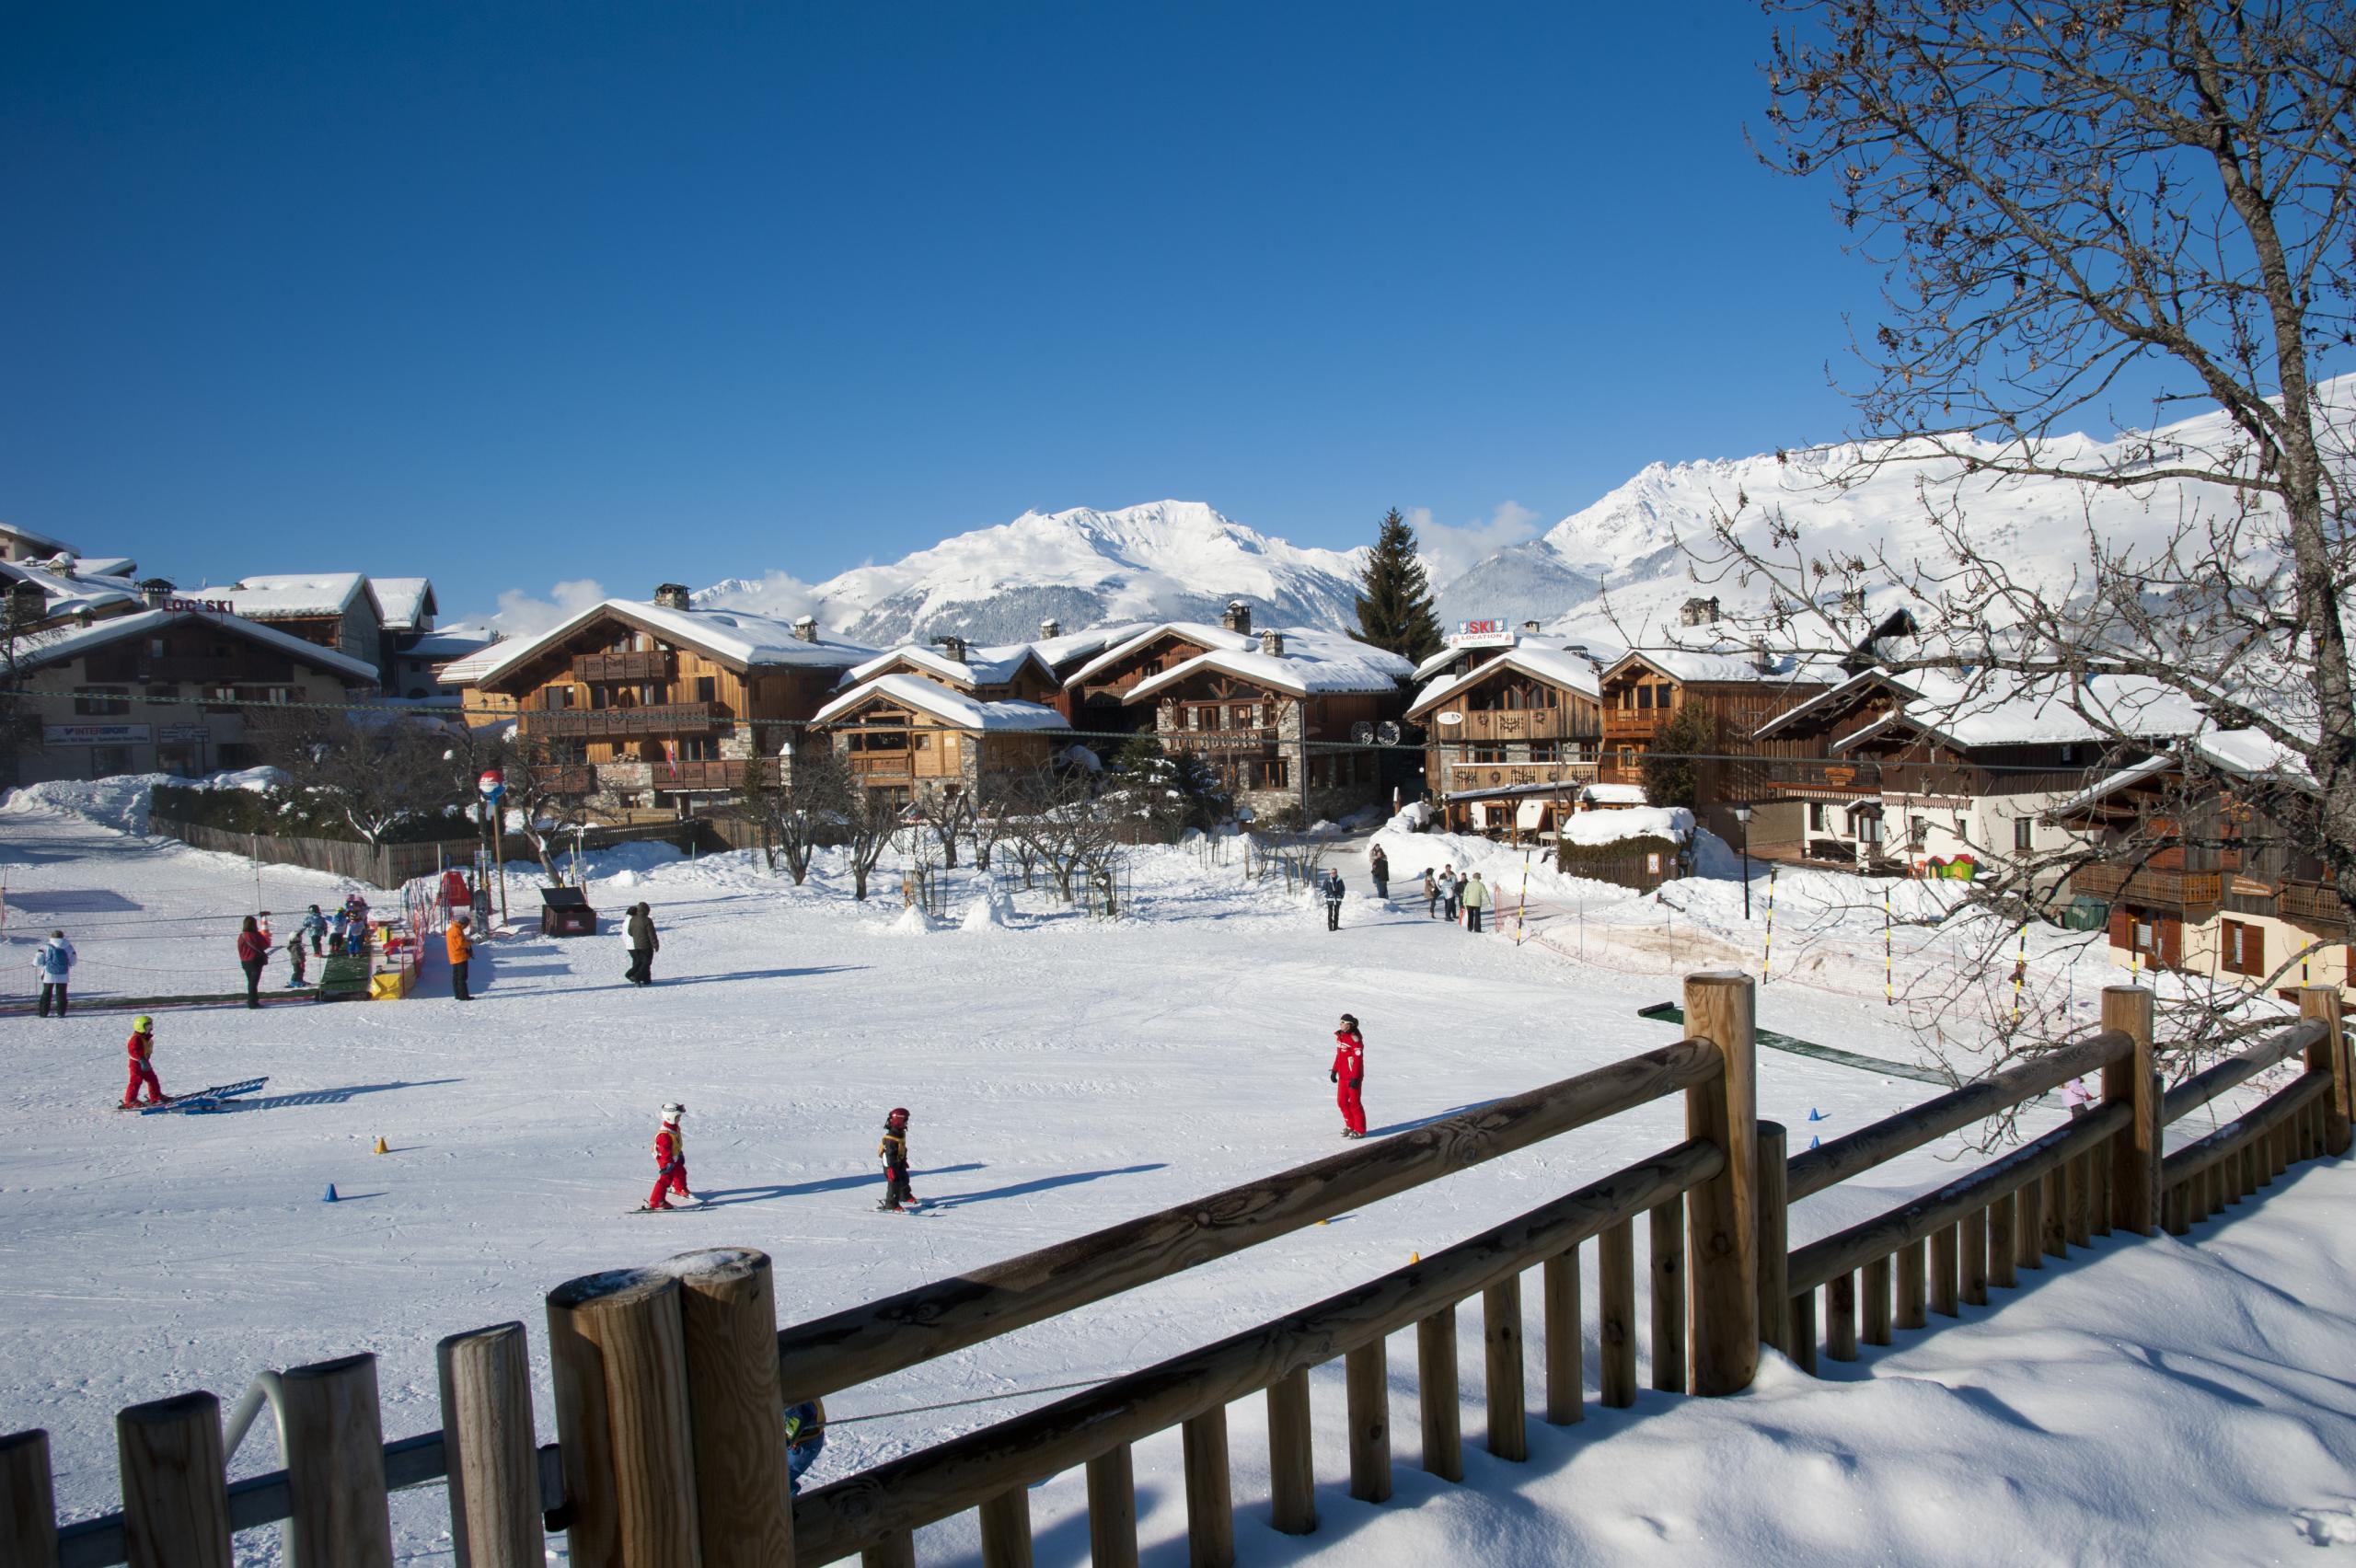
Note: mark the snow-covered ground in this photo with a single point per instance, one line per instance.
(2177, 1401)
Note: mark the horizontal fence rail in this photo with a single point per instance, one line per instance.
(668, 1380)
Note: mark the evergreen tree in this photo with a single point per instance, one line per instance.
(1394, 597)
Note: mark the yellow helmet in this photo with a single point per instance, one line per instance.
(143, 1023)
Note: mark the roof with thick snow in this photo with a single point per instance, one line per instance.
(105, 566)
(981, 666)
(1065, 646)
(1995, 708)
(1733, 664)
(1558, 641)
(2243, 753)
(293, 595)
(468, 670)
(47, 647)
(37, 541)
(733, 637)
(1198, 632)
(1313, 664)
(950, 707)
(406, 602)
(72, 593)
(1573, 672)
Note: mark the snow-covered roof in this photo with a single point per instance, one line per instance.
(2003, 709)
(292, 595)
(1198, 632)
(37, 541)
(1313, 664)
(1064, 647)
(982, 666)
(1731, 663)
(47, 647)
(2243, 753)
(1614, 794)
(1829, 700)
(950, 707)
(1572, 670)
(448, 647)
(468, 670)
(1556, 641)
(406, 602)
(105, 566)
(72, 593)
(733, 637)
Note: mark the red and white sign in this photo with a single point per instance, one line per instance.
(1495, 631)
(492, 783)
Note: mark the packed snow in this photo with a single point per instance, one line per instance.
(2165, 1400)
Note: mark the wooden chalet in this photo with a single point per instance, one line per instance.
(338, 610)
(1097, 689)
(1511, 741)
(1742, 688)
(909, 733)
(649, 700)
(1289, 719)
(166, 690)
(1907, 773)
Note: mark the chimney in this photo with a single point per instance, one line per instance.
(1049, 628)
(1238, 618)
(1698, 612)
(806, 628)
(953, 647)
(1852, 601)
(27, 603)
(1763, 660)
(1272, 641)
(672, 596)
(155, 591)
(1529, 628)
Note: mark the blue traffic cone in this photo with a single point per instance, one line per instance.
(1814, 1115)
(1813, 1142)
(330, 1197)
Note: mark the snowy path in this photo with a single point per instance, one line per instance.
(1063, 1074)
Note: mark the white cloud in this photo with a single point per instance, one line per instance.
(1451, 549)
(520, 614)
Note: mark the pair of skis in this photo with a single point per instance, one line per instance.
(199, 1102)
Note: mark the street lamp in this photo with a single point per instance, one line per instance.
(1743, 819)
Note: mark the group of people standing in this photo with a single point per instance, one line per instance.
(1459, 897)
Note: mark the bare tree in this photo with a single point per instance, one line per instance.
(872, 820)
(372, 770)
(947, 814)
(1053, 821)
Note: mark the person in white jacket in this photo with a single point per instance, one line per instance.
(51, 966)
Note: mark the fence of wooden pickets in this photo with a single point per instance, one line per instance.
(670, 1381)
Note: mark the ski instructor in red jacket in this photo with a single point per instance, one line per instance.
(1348, 1074)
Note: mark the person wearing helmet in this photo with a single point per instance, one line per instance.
(1348, 1074)
(670, 1158)
(142, 1048)
(894, 1151)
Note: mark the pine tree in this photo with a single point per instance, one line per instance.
(1394, 597)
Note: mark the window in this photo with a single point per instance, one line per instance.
(2243, 947)
(1918, 834)
(1815, 817)
(707, 690)
(1868, 826)
(1643, 699)
(155, 647)
(699, 748)
(100, 701)
(556, 699)
(2024, 834)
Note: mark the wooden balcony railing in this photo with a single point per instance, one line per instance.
(1812, 773)
(881, 765)
(715, 773)
(2313, 904)
(2150, 885)
(650, 665)
(569, 779)
(1260, 739)
(661, 721)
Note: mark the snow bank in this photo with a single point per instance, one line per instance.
(122, 802)
(1672, 822)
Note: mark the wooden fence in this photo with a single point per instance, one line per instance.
(391, 865)
(669, 1380)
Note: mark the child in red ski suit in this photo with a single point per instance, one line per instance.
(893, 1150)
(670, 1159)
(142, 1045)
(1349, 1073)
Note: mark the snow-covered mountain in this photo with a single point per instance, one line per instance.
(1162, 561)
(1174, 559)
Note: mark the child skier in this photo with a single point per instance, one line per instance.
(338, 923)
(315, 926)
(1348, 1074)
(893, 1152)
(142, 1048)
(295, 955)
(670, 1159)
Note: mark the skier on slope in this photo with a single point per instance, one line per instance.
(670, 1158)
(52, 967)
(894, 1151)
(315, 926)
(141, 1049)
(1349, 1073)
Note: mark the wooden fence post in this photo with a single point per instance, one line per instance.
(1666, 1254)
(2329, 1055)
(1292, 1467)
(1874, 1281)
(1615, 1321)
(893, 1551)
(1775, 1326)
(175, 1483)
(1972, 1283)
(1501, 1341)
(335, 1466)
(490, 1450)
(2003, 1217)
(2029, 1224)
(2135, 1152)
(1006, 1529)
(1365, 1371)
(1841, 1318)
(1912, 1287)
(1113, 1510)
(617, 1351)
(1723, 1212)
(1566, 1340)
(728, 1333)
(1436, 1388)
(1210, 1504)
(1946, 1271)
(27, 1502)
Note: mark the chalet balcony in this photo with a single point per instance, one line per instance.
(1817, 775)
(1634, 724)
(1456, 776)
(881, 767)
(660, 722)
(1260, 739)
(714, 773)
(2312, 905)
(571, 778)
(651, 665)
(2151, 887)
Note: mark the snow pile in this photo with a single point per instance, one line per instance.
(913, 922)
(1672, 822)
(122, 802)
(991, 909)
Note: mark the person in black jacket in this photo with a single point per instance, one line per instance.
(643, 945)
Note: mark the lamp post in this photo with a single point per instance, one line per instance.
(1742, 820)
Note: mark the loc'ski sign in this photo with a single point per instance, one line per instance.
(1493, 632)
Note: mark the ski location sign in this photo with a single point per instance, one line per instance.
(1495, 631)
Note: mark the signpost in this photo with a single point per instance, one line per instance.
(493, 788)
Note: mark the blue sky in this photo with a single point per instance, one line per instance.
(513, 294)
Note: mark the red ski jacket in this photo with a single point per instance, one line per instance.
(669, 1146)
(141, 1045)
(252, 945)
(1349, 1055)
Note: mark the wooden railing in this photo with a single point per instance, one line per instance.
(651, 665)
(713, 773)
(668, 1380)
(659, 720)
(2313, 904)
(2150, 885)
